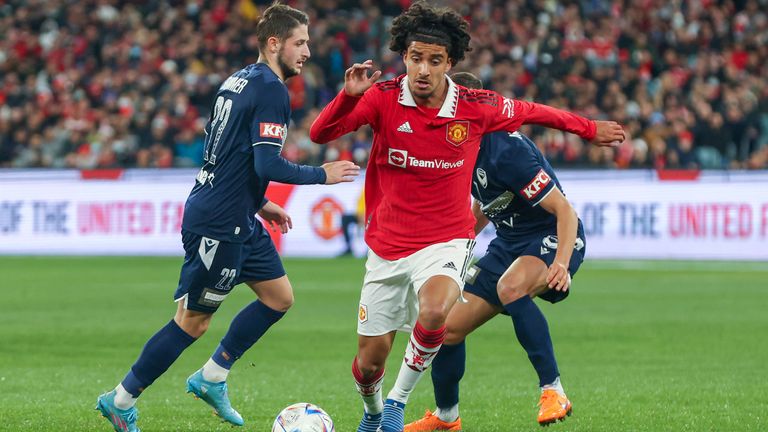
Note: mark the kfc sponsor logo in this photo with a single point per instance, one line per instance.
(536, 185)
(271, 130)
(398, 158)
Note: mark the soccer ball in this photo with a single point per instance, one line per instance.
(303, 417)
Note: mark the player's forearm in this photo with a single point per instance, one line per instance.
(480, 220)
(554, 118)
(567, 225)
(335, 119)
(269, 165)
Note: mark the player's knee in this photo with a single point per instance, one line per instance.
(511, 289)
(284, 302)
(280, 303)
(195, 327)
(454, 336)
(370, 366)
(432, 317)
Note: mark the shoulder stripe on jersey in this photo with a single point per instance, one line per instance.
(387, 85)
(266, 142)
(544, 196)
(478, 96)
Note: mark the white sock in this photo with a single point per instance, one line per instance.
(123, 399)
(212, 372)
(371, 395)
(448, 415)
(416, 360)
(554, 385)
(373, 403)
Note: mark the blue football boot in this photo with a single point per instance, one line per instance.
(215, 395)
(121, 420)
(393, 416)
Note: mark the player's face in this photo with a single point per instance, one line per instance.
(426, 65)
(294, 52)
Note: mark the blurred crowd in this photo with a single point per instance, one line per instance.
(113, 83)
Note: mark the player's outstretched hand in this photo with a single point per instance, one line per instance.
(276, 217)
(558, 277)
(356, 79)
(609, 134)
(340, 171)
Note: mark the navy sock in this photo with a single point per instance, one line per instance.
(447, 371)
(533, 333)
(159, 353)
(246, 328)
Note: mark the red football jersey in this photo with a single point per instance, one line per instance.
(417, 184)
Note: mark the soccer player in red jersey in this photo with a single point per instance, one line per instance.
(419, 224)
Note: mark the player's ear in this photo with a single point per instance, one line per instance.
(273, 44)
(449, 66)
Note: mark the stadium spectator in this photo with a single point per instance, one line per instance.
(113, 83)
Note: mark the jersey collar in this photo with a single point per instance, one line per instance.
(448, 110)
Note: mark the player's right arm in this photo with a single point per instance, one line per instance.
(350, 109)
(567, 225)
(480, 219)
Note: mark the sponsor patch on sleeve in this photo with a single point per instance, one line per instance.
(538, 184)
(271, 130)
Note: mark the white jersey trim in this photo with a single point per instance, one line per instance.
(266, 142)
(447, 110)
(554, 186)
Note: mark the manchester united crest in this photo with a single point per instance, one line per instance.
(457, 132)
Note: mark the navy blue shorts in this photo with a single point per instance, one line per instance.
(212, 268)
(483, 277)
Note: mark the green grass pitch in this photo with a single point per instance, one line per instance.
(642, 347)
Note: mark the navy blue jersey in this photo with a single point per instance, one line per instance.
(244, 137)
(511, 178)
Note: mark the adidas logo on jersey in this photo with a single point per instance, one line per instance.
(405, 127)
(450, 265)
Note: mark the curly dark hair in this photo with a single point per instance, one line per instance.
(429, 24)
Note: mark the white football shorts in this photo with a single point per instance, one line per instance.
(389, 298)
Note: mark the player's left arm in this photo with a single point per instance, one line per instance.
(271, 116)
(276, 217)
(512, 113)
(555, 202)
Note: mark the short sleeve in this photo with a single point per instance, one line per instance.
(271, 114)
(523, 174)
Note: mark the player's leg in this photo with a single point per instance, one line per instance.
(448, 365)
(165, 346)
(263, 272)
(437, 276)
(160, 351)
(368, 371)
(347, 221)
(386, 304)
(523, 280)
